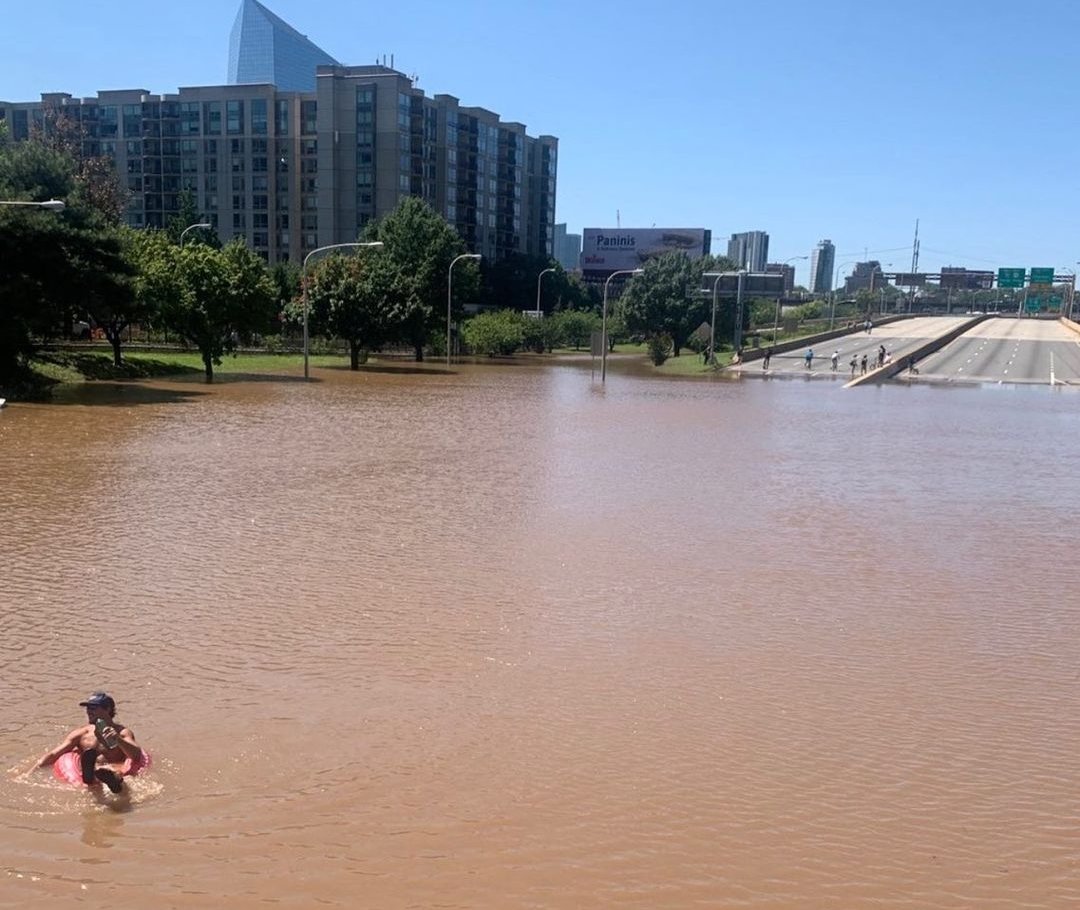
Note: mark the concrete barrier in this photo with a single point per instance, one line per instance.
(1070, 325)
(927, 347)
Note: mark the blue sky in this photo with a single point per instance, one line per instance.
(837, 119)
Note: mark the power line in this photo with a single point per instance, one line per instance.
(962, 256)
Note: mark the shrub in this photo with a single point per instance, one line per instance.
(659, 348)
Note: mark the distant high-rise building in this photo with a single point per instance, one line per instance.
(749, 250)
(782, 268)
(822, 258)
(567, 248)
(867, 276)
(264, 49)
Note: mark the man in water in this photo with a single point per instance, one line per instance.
(107, 751)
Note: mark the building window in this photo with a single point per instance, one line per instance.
(212, 118)
(308, 118)
(238, 184)
(258, 116)
(236, 146)
(234, 117)
(189, 118)
(108, 119)
(281, 118)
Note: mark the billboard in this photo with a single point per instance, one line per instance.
(609, 249)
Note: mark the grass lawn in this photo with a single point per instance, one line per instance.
(689, 364)
(185, 362)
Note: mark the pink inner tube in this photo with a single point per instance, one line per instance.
(68, 769)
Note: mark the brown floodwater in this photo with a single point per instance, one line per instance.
(505, 638)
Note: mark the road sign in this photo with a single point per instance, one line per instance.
(1034, 304)
(1042, 276)
(1011, 278)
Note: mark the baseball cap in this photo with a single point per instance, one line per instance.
(99, 700)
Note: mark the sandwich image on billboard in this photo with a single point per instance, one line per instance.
(612, 249)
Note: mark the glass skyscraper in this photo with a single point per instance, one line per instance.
(265, 49)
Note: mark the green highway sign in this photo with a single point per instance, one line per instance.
(1042, 276)
(1011, 278)
(1034, 304)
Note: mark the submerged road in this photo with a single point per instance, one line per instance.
(1007, 349)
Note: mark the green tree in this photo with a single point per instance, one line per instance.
(543, 335)
(186, 215)
(421, 245)
(222, 295)
(500, 332)
(576, 327)
(96, 186)
(54, 265)
(350, 296)
(665, 299)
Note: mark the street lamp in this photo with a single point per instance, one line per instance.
(303, 282)
(776, 323)
(450, 296)
(539, 278)
(603, 320)
(716, 276)
(51, 205)
(836, 280)
(192, 227)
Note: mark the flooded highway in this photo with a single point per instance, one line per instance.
(506, 638)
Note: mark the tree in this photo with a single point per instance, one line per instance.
(576, 327)
(501, 332)
(221, 295)
(349, 296)
(96, 184)
(665, 299)
(541, 336)
(54, 265)
(421, 245)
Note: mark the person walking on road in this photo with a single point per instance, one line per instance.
(835, 360)
(862, 364)
(809, 358)
(765, 360)
(854, 364)
(881, 355)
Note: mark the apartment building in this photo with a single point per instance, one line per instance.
(289, 171)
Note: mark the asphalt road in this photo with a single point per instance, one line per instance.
(1007, 350)
(898, 338)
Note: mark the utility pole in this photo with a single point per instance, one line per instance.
(914, 264)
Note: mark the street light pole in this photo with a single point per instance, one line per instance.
(539, 278)
(449, 296)
(836, 279)
(191, 227)
(375, 244)
(776, 322)
(50, 205)
(603, 320)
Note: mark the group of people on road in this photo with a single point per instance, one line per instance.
(862, 364)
